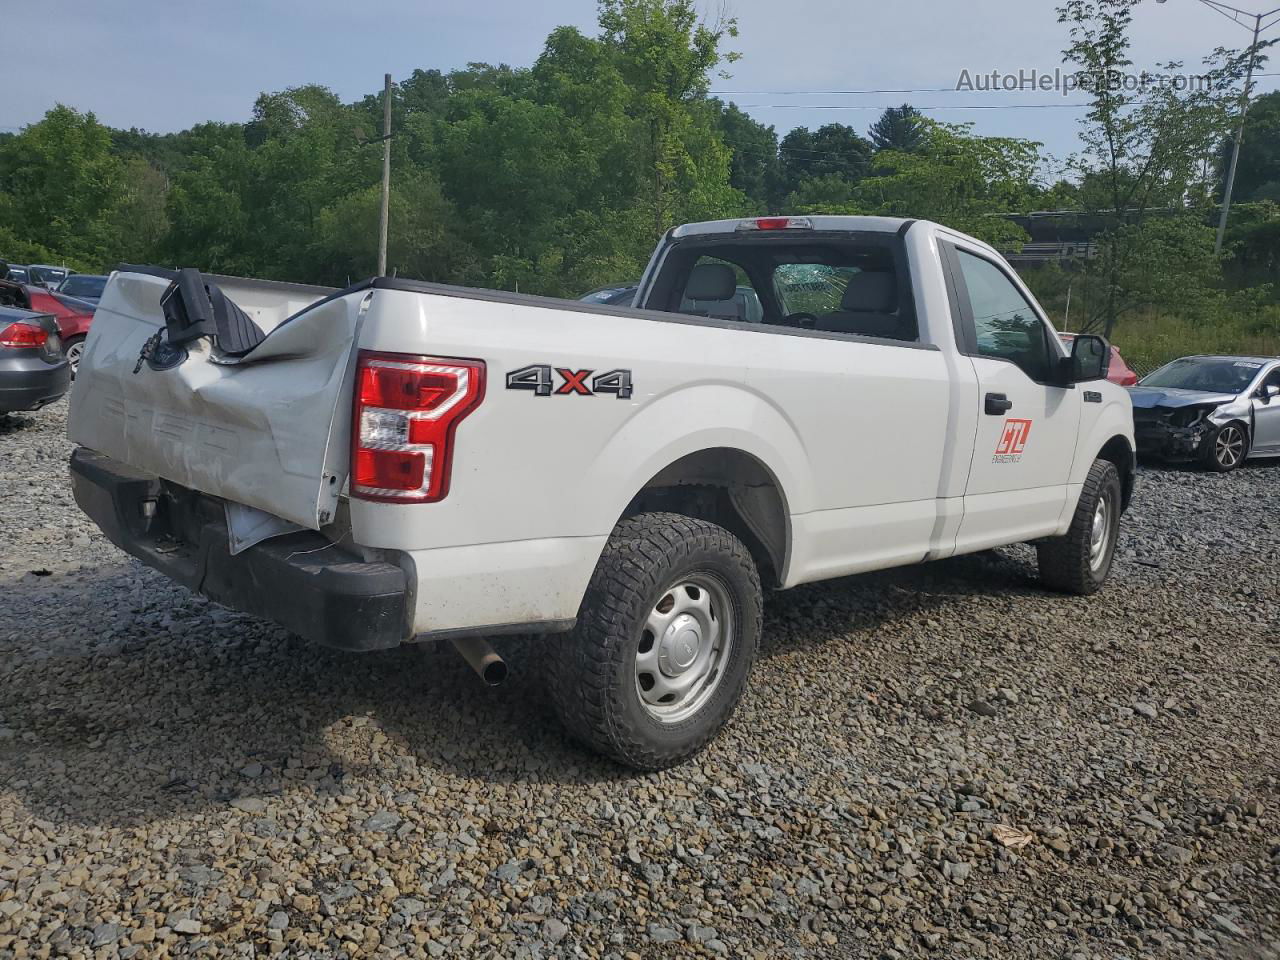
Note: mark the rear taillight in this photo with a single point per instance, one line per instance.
(776, 223)
(406, 410)
(23, 335)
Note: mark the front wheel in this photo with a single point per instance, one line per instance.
(1226, 448)
(664, 643)
(1079, 561)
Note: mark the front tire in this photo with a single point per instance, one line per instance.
(1079, 561)
(1226, 448)
(665, 640)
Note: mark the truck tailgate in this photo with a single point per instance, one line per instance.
(270, 429)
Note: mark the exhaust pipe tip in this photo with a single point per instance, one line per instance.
(483, 659)
(495, 672)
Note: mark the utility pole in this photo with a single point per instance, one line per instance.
(1235, 147)
(386, 176)
(1243, 18)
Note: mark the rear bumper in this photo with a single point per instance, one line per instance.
(301, 581)
(28, 383)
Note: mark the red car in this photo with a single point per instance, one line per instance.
(71, 315)
(1117, 371)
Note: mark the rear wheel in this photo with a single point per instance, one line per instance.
(665, 640)
(74, 349)
(1079, 561)
(1226, 448)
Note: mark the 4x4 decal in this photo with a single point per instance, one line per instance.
(541, 379)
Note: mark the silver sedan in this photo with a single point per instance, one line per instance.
(1218, 411)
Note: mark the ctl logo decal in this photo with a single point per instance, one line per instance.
(1012, 441)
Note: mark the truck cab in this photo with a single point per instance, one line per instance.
(911, 285)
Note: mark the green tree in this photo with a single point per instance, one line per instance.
(421, 240)
(955, 178)
(1144, 146)
(1164, 263)
(666, 56)
(138, 222)
(753, 163)
(58, 178)
(833, 150)
(210, 219)
(899, 128)
(510, 169)
(1258, 170)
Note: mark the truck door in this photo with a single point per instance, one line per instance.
(1027, 426)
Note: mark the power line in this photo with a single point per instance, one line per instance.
(870, 91)
(860, 106)
(857, 93)
(808, 93)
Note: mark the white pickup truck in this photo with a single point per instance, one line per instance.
(403, 461)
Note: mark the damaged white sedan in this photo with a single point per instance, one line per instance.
(1218, 411)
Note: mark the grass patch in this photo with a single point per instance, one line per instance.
(1150, 340)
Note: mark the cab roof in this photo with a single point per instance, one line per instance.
(800, 223)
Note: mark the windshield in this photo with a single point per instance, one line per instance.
(1210, 374)
(46, 274)
(83, 286)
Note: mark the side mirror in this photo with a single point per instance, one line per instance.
(1090, 357)
(1269, 391)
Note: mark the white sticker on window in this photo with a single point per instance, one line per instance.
(1247, 365)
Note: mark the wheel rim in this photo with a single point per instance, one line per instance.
(684, 648)
(73, 355)
(1229, 446)
(1100, 532)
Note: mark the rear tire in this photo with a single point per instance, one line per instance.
(74, 350)
(1079, 561)
(665, 640)
(1226, 448)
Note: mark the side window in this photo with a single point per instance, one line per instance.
(1004, 324)
(719, 289)
(1273, 378)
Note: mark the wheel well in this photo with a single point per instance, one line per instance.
(730, 488)
(1118, 451)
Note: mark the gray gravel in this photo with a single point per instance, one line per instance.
(180, 780)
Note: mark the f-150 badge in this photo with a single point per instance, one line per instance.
(1013, 440)
(541, 379)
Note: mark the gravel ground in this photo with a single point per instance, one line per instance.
(179, 780)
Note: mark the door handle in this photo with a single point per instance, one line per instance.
(997, 404)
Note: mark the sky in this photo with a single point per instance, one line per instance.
(164, 65)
